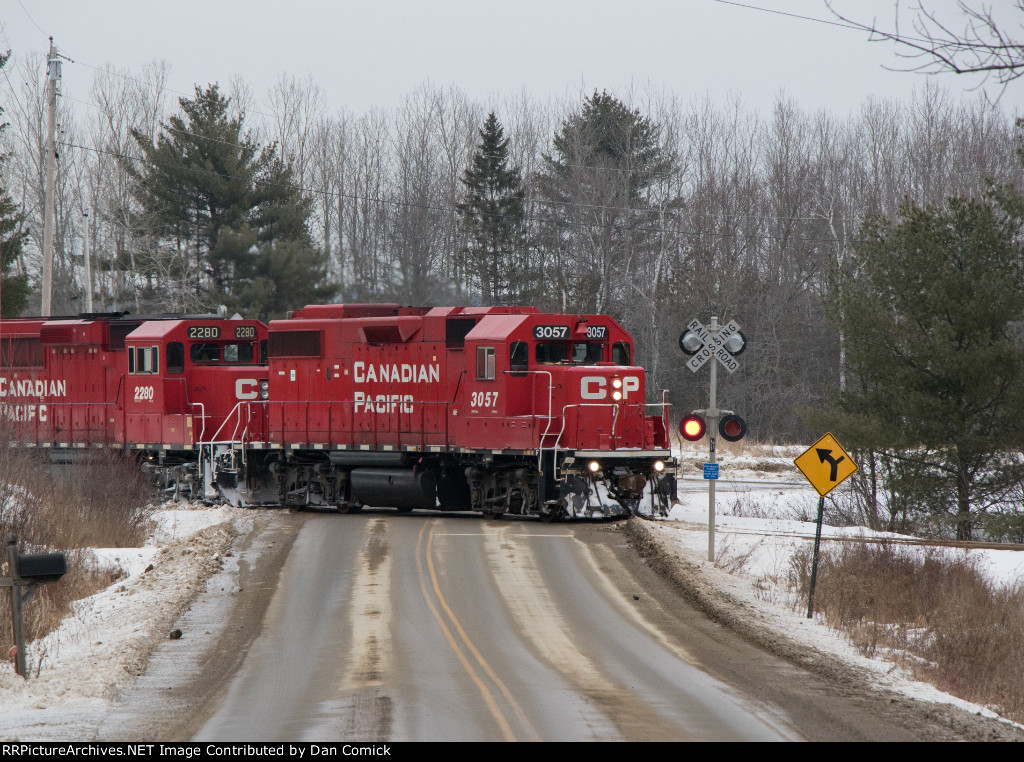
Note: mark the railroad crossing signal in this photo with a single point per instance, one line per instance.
(723, 344)
(826, 464)
(701, 344)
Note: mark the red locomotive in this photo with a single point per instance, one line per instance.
(492, 409)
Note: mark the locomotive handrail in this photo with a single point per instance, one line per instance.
(202, 419)
(238, 422)
(224, 423)
(664, 405)
(615, 417)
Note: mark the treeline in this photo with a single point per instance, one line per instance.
(643, 205)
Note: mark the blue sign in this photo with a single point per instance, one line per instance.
(710, 470)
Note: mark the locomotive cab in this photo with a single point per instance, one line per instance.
(192, 381)
(562, 386)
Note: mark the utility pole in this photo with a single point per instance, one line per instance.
(88, 267)
(50, 212)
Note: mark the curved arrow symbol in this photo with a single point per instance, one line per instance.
(826, 455)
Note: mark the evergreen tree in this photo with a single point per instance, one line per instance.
(15, 288)
(212, 191)
(606, 157)
(493, 216)
(931, 323)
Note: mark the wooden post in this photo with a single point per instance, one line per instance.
(16, 601)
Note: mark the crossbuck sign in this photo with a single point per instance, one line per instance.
(714, 345)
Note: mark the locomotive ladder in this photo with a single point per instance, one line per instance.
(229, 451)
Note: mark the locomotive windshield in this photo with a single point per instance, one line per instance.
(569, 353)
(210, 352)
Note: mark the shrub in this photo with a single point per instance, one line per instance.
(939, 616)
(101, 501)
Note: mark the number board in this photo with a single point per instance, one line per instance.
(597, 332)
(204, 331)
(551, 332)
(245, 332)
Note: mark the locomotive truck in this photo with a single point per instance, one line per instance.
(490, 409)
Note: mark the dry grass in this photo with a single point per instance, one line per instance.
(938, 616)
(103, 501)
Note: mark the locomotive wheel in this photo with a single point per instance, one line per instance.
(349, 507)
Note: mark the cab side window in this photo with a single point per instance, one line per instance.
(519, 356)
(485, 363)
(143, 359)
(175, 358)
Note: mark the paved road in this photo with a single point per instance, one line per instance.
(420, 627)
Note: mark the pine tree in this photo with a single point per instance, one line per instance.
(208, 188)
(493, 216)
(15, 288)
(931, 320)
(596, 217)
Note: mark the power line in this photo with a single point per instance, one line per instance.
(777, 12)
(854, 26)
(30, 17)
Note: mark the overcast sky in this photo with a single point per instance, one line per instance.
(374, 52)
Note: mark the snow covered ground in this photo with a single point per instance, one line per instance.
(79, 670)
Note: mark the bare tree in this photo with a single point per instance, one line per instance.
(122, 102)
(296, 110)
(973, 42)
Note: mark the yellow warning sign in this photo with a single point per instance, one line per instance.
(825, 464)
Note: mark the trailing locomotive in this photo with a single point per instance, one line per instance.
(493, 409)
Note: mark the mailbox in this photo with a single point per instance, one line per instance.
(42, 568)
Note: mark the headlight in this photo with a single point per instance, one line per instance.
(616, 396)
(659, 466)
(594, 466)
(617, 383)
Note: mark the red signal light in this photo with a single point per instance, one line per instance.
(693, 427)
(732, 428)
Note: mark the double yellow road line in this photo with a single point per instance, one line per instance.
(461, 643)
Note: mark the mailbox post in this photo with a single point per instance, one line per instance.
(27, 571)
